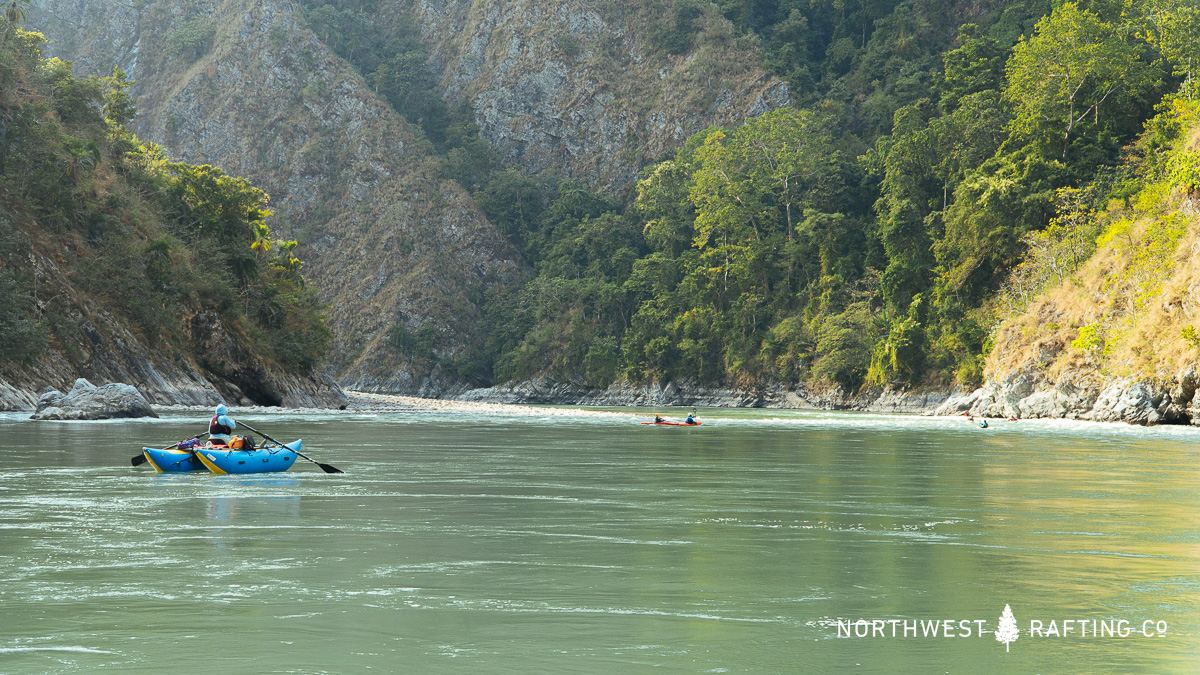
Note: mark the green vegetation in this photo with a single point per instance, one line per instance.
(758, 258)
(931, 176)
(1125, 311)
(92, 218)
(191, 40)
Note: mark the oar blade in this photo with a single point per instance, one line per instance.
(329, 468)
(137, 460)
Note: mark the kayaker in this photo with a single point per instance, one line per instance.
(658, 419)
(983, 425)
(220, 428)
(691, 418)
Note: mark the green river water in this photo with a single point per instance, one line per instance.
(537, 543)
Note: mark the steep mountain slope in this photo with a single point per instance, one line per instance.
(247, 87)
(582, 89)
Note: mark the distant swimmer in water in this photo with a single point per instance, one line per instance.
(983, 424)
(970, 418)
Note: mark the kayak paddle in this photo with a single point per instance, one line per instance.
(327, 468)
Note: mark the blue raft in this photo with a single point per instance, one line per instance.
(267, 459)
(171, 461)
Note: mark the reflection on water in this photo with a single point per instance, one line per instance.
(592, 544)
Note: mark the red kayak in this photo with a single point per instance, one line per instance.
(673, 424)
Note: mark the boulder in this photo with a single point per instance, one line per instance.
(86, 401)
(1125, 401)
(958, 404)
(1039, 404)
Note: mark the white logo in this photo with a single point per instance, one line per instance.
(1007, 632)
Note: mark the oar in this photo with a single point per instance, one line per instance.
(327, 468)
(140, 459)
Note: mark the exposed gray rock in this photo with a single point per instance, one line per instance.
(548, 390)
(1084, 396)
(958, 404)
(597, 112)
(13, 398)
(268, 101)
(86, 401)
(243, 379)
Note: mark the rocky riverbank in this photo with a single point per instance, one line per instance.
(776, 395)
(1082, 395)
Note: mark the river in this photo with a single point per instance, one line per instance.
(761, 542)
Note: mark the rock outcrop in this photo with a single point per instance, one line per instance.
(1083, 396)
(243, 379)
(212, 369)
(86, 401)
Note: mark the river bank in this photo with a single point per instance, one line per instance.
(551, 391)
(1023, 394)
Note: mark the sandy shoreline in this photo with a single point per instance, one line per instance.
(362, 402)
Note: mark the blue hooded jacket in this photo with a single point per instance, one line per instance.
(221, 427)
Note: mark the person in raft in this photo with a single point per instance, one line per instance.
(220, 428)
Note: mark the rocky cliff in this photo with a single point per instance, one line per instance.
(103, 276)
(580, 89)
(571, 90)
(208, 366)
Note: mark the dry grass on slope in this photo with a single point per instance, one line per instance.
(1126, 311)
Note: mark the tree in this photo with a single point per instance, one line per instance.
(260, 237)
(13, 15)
(211, 206)
(1060, 76)
(976, 65)
(1007, 632)
(1173, 26)
(118, 104)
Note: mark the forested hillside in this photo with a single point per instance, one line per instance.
(119, 263)
(862, 236)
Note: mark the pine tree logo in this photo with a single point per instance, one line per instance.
(1007, 632)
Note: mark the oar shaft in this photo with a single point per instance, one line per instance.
(298, 453)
